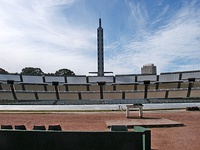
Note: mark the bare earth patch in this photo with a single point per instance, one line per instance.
(186, 137)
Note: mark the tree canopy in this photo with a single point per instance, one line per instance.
(32, 71)
(3, 71)
(64, 72)
(39, 72)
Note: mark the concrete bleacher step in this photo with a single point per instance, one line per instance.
(144, 122)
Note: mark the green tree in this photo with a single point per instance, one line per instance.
(49, 74)
(32, 71)
(65, 72)
(2, 71)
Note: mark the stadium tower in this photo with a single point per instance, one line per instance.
(100, 52)
(100, 49)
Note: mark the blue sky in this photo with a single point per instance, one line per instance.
(55, 34)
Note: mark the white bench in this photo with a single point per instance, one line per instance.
(140, 107)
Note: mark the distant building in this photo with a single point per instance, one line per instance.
(149, 69)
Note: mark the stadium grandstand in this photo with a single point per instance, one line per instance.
(79, 90)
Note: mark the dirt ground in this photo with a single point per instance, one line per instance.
(186, 137)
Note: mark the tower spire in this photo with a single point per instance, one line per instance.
(99, 22)
(100, 50)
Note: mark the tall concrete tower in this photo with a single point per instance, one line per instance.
(100, 52)
(100, 49)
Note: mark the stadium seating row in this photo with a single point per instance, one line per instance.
(92, 88)
(120, 87)
(119, 79)
(87, 95)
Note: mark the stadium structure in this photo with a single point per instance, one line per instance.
(166, 87)
(100, 89)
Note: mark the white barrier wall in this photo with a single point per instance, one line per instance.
(168, 77)
(32, 79)
(5, 77)
(101, 79)
(50, 79)
(76, 80)
(119, 79)
(125, 79)
(185, 76)
(142, 78)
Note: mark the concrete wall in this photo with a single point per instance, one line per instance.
(169, 77)
(5, 77)
(125, 79)
(185, 76)
(50, 79)
(101, 79)
(32, 79)
(76, 80)
(141, 78)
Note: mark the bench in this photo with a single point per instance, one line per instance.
(139, 106)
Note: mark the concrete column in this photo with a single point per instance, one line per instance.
(55, 83)
(190, 85)
(11, 82)
(101, 85)
(146, 85)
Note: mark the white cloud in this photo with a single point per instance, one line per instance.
(34, 33)
(171, 47)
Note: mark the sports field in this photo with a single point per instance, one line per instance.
(183, 137)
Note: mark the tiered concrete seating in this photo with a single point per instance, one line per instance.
(62, 88)
(168, 85)
(50, 88)
(5, 87)
(18, 87)
(94, 88)
(77, 87)
(175, 85)
(196, 84)
(6, 95)
(108, 88)
(125, 87)
(134, 95)
(184, 85)
(177, 93)
(34, 87)
(112, 95)
(152, 87)
(156, 94)
(47, 95)
(140, 87)
(68, 95)
(90, 95)
(195, 92)
(25, 95)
